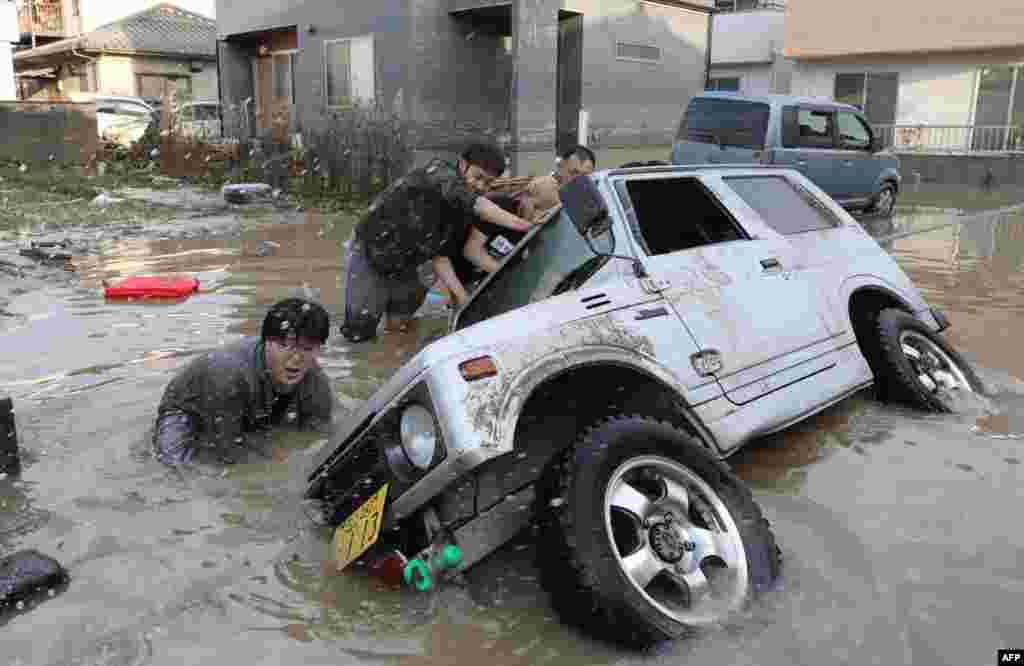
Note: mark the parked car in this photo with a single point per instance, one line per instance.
(123, 120)
(830, 143)
(199, 119)
(660, 319)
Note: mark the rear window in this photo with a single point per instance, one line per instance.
(785, 207)
(727, 121)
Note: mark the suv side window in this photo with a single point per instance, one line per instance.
(854, 134)
(782, 204)
(672, 214)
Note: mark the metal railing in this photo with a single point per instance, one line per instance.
(951, 138)
(41, 17)
(748, 5)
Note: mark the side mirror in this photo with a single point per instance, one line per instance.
(583, 204)
(877, 145)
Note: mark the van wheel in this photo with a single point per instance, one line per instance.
(884, 202)
(918, 367)
(645, 535)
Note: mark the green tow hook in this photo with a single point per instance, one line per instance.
(417, 572)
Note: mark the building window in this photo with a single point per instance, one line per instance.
(640, 52)
(153, 87)
(728, 84)
(875, 94)
(349, 72)
(1000, 102)
(284, 75)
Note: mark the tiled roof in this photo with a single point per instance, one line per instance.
(163, 28)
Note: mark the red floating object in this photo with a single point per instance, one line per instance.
(159, 286)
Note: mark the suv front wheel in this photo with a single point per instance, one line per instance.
(884, 202)
(645, 535)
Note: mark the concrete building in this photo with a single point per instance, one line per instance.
(934, 62)
(8, 37)
(520, 71)
(162, 49)
(746, 53)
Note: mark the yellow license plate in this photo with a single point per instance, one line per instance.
(360, 530)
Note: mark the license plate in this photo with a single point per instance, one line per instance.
(360, 530)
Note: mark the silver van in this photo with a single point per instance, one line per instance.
(830, 143)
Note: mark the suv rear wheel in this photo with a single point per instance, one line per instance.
(645, 535)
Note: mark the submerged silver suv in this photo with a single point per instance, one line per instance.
(658, 320)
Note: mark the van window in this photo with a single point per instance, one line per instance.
(731, 122)
(672, 214)
(815, 128)
(785, 207)
(853, 133)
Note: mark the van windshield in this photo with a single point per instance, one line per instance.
(728, 122)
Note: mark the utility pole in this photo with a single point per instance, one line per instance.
(32, 20)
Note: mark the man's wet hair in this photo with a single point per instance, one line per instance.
(581, 152)
(305, 318)
(488, 156)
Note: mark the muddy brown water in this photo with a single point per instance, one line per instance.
(898, 528)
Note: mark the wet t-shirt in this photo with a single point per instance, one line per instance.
(500, 240)
(224, 394)
(418, 217)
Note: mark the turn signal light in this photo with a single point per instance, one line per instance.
(478, 368)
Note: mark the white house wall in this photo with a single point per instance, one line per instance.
(746, 37)
(754, 79)
(929, 93)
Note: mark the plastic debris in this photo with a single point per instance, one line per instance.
(243, 193)
(10, 463)
(104, 200)
(28, 576)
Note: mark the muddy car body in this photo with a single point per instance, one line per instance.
(662, 318)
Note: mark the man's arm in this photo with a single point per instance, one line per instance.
(444, 270)
(476, 251)
(488, 211)
(173, 438)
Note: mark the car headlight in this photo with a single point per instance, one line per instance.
(419, 436)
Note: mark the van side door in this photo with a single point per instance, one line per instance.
(808, 144)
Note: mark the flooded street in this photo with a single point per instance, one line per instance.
(896, 526)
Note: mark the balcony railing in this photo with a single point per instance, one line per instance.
(748, 5)
(952, 138)
(42, 18)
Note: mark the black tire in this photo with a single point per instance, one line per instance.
(884, 203)
(578, 558)
(899, 375)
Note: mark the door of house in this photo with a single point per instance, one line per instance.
(273, 76)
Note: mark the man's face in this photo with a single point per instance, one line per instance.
(289, 359)
(477, 179)
(572, 167)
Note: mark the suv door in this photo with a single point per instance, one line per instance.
(739, 293)
(808, 144)
(857, 166)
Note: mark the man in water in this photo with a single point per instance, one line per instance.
(418, 219)
(249, 386)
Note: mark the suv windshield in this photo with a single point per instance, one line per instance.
(550, 260)
(728, 122)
